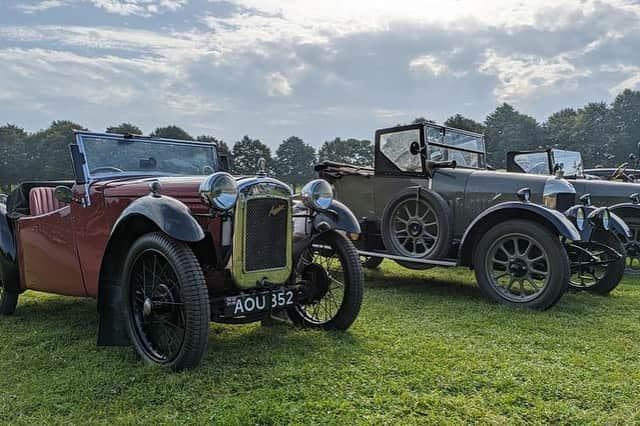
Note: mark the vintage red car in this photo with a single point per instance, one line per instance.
(167, 241)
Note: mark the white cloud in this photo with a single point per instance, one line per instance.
(278, 85)
(428, 64)
(121, 7)
(41, 6)
(522, 76)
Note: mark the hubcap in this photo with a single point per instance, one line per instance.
(517, 267)
(414, 228)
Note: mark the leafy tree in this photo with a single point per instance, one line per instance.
(294, 161)
(171, 132)
(125, 129)
(353, 151)
(247, 152)
(506, 130)
(12, 156)
(560, 129)
(463, 123)
(421, 120)
(47, 151)
(223, 148)
(625, 123)
(594, 134)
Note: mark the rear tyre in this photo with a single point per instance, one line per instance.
(166, 302)
(335, 285)
(8, 299)
(521, 263)
(416, 224)
(602, 279)
(371, 262)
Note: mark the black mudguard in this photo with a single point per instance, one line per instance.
(172, 216)
(8, 254)
(515, 210)
(624, 210)
(338, 217)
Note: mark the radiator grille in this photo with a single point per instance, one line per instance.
(266, 234)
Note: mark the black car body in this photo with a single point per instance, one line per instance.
(615, 188)
(443, 172)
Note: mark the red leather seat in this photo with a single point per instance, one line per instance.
(42, 201)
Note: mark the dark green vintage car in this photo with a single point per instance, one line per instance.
(616, 188)
(430, 201)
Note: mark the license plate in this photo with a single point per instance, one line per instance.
(256, 303)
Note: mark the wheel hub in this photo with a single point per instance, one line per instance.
(146, 307)
(518, 268)
(415, 229)
(318, 281)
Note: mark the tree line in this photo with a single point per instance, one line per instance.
(604, 133)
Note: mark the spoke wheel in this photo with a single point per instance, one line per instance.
(601, 279)
(632, 247)
(521, 263)
(414, 228)
(166, 302)
(331, 273)
(518, 267)
(158, 309)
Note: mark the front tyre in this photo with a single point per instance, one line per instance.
(333, 284)
(166, 302)
(601, 279)
(8, 299)
(521, 263)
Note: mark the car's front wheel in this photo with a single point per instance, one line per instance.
(522, 263)
(166, 302)
(601, 279)
(8, 299)
(331, 273)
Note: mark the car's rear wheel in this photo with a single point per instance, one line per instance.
(371, 262)
(8, 299)
(521, 263)
(601, 279)
(166, 302)
(334, 284)
(416, 224)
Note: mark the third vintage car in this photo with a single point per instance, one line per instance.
(615, 188)
(167, 241)
(430, 201)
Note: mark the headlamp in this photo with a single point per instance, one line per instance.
(580, 219)
(317, 195)
(219, 191)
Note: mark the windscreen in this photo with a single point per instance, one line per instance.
(445, 144)
(112, 156)
(569, 161)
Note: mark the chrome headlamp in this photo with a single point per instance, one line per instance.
(219, 191)
(580, 218)
(600, 218)
(317, 195)
(552, 188)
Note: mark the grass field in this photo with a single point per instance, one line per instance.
(427, 348)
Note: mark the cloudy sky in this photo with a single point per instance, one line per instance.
(316, 69)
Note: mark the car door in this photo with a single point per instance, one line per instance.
(397, 166)
(47, 251)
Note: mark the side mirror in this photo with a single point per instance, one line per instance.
(78, 162)
(63, 194)
(414, 148)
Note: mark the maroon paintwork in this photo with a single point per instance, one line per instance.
(63, 251)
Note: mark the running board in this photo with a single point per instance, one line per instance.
(408, 259)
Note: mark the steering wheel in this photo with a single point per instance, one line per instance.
(107, 169)
(619, 172)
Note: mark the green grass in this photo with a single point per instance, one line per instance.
(427, 348)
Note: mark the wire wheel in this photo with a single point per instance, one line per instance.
(518, 267)
(156, 306)
(632, 248)
(323, 268)
(414, 228)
